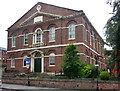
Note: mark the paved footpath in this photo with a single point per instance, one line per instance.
(28, 88)
(13, 87)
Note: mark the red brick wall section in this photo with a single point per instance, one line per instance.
(66, 83)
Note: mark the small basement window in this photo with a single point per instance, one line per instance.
(38, 19)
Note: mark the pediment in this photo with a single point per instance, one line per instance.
(39, 17)
(47, 11)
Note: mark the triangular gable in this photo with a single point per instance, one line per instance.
(46, 10)
(30, 19)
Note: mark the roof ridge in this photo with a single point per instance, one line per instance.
(60, 7)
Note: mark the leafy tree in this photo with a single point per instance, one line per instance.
(71, 62)
(111, 59)
(112, 32)
(73, 67)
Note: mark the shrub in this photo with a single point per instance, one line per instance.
(93, 72)
(104, 75)
(89, 71)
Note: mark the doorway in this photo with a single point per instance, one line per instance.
(37, 61)
(37, 65)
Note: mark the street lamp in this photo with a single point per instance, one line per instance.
(28, 68)
(28, 76)
(97, 70)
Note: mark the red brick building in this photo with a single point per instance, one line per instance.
(42, 34)
(3, 55)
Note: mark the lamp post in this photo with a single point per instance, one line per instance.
(28, 76)
(97, 70)
(28, 67)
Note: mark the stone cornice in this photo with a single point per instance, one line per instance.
(50, 20)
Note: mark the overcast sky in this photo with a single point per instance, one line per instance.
(97, 12)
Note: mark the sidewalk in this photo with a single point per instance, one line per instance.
(22, 87)
(13, 87)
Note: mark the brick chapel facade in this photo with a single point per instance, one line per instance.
(42, 34)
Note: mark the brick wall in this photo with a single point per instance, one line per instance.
(84, 84)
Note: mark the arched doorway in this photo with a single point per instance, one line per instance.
(37, 61)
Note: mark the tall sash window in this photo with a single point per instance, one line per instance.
(72, 31)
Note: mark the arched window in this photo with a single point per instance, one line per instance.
(13, 62)
(86, 54)
(13, 41)
(95, 62)
(38, 36)
(52, 59)
(26, 38)
(52, 34)
(72, 31)
(90, 36)
(85, 32)
(94, 41)
(91, 58)
(37, 54)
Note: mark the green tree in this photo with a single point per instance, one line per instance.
(71, 62)
(111, 58)
(112, 32)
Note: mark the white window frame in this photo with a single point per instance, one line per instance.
(94, 42)
(24, 59)
(52, 34)
(90, 60)
(86, 32)
(51, 55)
(90, 38)
(26, 38)
(38, 36)
(71, 31)
(86, 55)
(91, 57)
(13, 41)
(13, 63)
(98, 45)
(86, 35)
(35, 36)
